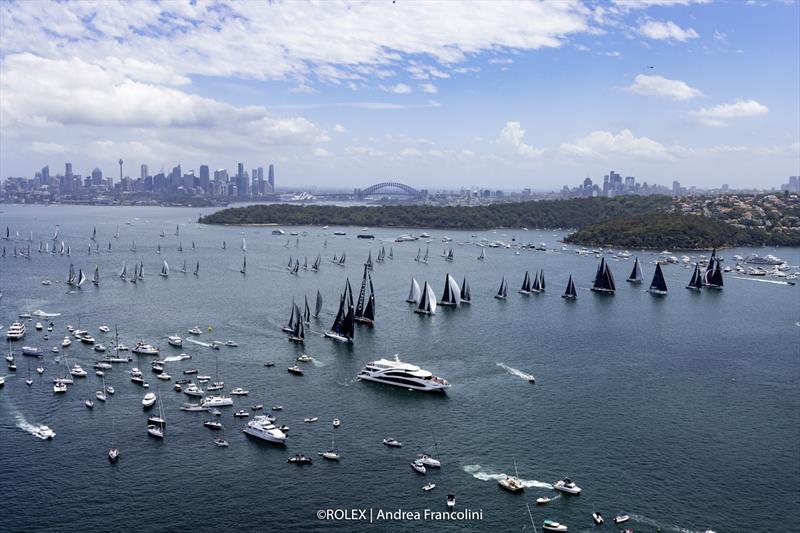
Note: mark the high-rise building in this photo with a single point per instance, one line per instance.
(97, 176)
(46, 174)
(143, 173)
(204, 178)
(271, 178)
(221, 175)
(676, 188)
(68, 170)
(239, 170)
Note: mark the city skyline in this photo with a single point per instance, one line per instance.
(530, 95)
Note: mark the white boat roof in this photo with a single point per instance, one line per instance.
(408, 367)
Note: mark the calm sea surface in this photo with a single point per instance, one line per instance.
(682, 411)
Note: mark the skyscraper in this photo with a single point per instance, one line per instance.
(271, 179)
(68, 170)
(97, 176)
(204, 178)
(144, 172)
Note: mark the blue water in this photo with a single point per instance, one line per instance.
(682, 411)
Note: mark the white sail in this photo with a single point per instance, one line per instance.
(165, 269)
(455, 290)
(81, 277)
(431, 300)
(244, 245)
(414, 293)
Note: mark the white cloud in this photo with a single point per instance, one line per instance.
(660, 86)
(666, 31)
(612, 54)
(501, 61)
(718, 115)
(606, 144)
(47, 148)
(429, 88)
(643, 4)
(303, 89)
(512, 136)
(400, 88)
(322, 152)
(339, 128)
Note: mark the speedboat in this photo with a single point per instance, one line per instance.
(164, 376)
(101, 395)
(55, 349)
(213, 424)
(257, 407)
(193, 390)
(241, 413)
(429, 461)
(551, 525)
(178, 387)
(336, 422)
(511, 484)
(46, 282)
(39, 326)
(155, 431)
(402, 375)
(543, 500)
(113, 455)
(231, 344)
(566, 485)
(429, 486)
(300, 459)
(238, 391)
(216, 401)
(149, 400)
(418, 467)
(277, 408)
(451, 501)
(104, 329)
(142, 348)
(195, 331)
(99, 348)
(310, 420)
(203, 378)
(174, 340)
(262, 428)
(295, 370)
(59, 386)
(305, 358)
(221, 443)
(217, 385)
(389, 441)
(110, 390)
(620, 518)
(77, 371)
(598, 518)
(44, 432)
(269, 364)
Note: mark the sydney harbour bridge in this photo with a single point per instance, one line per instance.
(389, 189)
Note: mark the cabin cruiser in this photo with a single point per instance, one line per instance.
(541, 500)
(389, 441)
(262, 428)
(217, 385)
(178, 387)
(143, 348)
(402, 375)
(598, 518)
(429, 486)
(15, 331)
(304, 358)
(104, 329)
(221, 443)
(257, 407)
(418, 467)
(511, 484)
(101, 365)
(190, 371)
(231, 344)
(110, 390)
(77, 371)
(566, 485)
(66, 342)
(427, 460)
(164, 376)
(203, 378)
(216, 401)
(195, 331)
(238, 391)
(33, 351)
(241, 413)
(311, 419)
(193, 407)
(59, 386)
(551, 525)
(149, 400)
(620, 518)
(213, 424)
(86, 338)
(99, 348)
(39, 326)
(44, 432)
(300, 459)
(295, 370)
(175, 340)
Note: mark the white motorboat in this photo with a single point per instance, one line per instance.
(429, 486)
(44, 432)
(418, 467)
(86, 339)
(277, 408)
(89, 404)
(231, 344)
(552, 525)
(99, 373)
(101, 395)
(221, 443)
(262, 428)
(77, 371)
(175, 340)
(620, 518)
(193, 407)
(451, 501)
(217, 385)
(429, 461)
(213, 424)
(40, 370)
(304, 358)
(241, 413)
(55, 349)
(15, 331)
(149, 400)
(295, 370)
(598, 518)
(195, 331)
(542, 500)
(110, 390)
(59, 386)
(216, 401)
(310, 420)
(402, 374)
(389, 441)
(511, 484)
(39, 326)
(99, 348)
(113, 455)
(102, 365)
(566, 485)
(238, 391)
(104, 329)
(142, 348)
(336, 422)
(164, 376)
(194, 390)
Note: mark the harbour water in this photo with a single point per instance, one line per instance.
(682, 411)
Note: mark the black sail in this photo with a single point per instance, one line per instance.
(465, 294)
(636, 273)
(447, 297)
(716, 276)
(659, 284)
(337, 322)
(360, 304)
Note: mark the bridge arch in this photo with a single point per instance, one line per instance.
(389, 188)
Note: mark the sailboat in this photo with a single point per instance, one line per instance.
(502, 293)
(298, 332)
(305, 262)
(244, 265)
(197, 268)
(157, 426)
(365, 309)
(116, 233)
(140, 275)
(81, 278)
(466, 297)
(526, 284)
(289, 327)
(427, 301)
(177, 230)
(162, 235)
(368, 264)
(331, 454)
(223, 245)
(342, 259)
(317, 261)
(452, 292)
(483, 254)
(109, 246)
(133, 246)
(419, 255)
(180, 246)
(158, 248)
(164, 270)
(94, 234)
(343, 327)
(713, 274)
(193, 246)
(61, 249)
(71, 278)
(603, 279)
(113, 452)
(569, 292)
(391, 253)
(318, 305)
(636, 273)
(659, 284)
(244, 245)
(413, 293)
(696, 283)
(536, 284)
(124, 272)
(183, 268)
(450, 255)
(135, 273)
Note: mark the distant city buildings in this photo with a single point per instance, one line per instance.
(793, 185)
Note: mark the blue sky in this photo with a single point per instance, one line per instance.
(435, 94)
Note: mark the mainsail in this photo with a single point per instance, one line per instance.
(659, 284)
(604, 280)
(636, 273)
(569, 292)
(414, 293)
(466, 297)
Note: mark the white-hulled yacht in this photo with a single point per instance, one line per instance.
(193, 390)
(149, 399)
(44, 432)
(217, 401)
(402, 375)
(567, 485)
(142, 348)
(66, 342)
(175, 340)
(262, 428)
(15, 331)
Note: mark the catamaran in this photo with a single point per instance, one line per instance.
(659, 284)
(636, 273)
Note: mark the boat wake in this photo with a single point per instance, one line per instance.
(173, 358)
(775, 282)
(515, 372)
(26, 426)
(347, 383)
(479, 472)
(200, 343)
(663, 527)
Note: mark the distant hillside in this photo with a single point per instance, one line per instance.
(575, 213)
(674, 231)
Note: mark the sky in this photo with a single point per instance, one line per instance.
(433, 94)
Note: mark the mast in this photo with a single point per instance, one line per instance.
(570, 293)
(306, 311)
(446, 297)
(369, 310)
